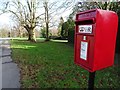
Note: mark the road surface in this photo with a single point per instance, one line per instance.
(10, 71)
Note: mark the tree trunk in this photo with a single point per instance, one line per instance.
(47, 32)
(31, 36)
(47, 21)
(31, 33)
(106, 4)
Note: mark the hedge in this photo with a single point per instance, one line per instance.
(118, 39)
(71, 36)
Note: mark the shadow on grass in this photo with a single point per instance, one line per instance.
(65, 42)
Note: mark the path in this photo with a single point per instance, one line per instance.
(10, 70)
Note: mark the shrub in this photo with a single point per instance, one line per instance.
(71, 36)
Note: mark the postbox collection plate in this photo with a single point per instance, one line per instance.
(83, 50)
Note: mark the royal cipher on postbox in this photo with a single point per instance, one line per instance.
(95, 38)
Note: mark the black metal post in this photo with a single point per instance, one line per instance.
(91, 81)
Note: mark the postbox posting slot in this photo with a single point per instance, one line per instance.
(85, 21)
(85, 26)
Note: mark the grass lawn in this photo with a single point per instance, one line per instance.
(51, 65)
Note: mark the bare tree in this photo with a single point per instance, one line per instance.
(25, 14)
(52, 10)
(5, 31)
(60, 26)
(105, 5)
(46, 20)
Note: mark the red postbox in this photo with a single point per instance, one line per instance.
(95, 38)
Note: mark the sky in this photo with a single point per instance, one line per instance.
(6, 20)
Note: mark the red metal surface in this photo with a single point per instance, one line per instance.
(101, 42)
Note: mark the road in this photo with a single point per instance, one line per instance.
(10, 76)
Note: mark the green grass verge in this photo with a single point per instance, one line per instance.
(51, 64)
